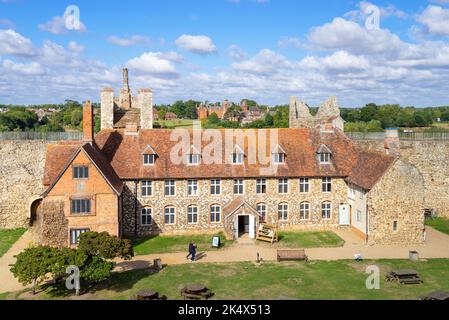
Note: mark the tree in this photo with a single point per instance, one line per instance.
(76, 117)
(213, 119)
(269, 120)
(33, 265)
(105, 246)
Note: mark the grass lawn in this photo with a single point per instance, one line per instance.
(8, 237)
(172, 124)
(440, 224)
(163, 244)
(309, 239)
(4, 296)
(238, 281)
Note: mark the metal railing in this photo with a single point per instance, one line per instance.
(405, 136)
(45, 136)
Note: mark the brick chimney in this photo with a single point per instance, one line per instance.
(88, 122)
(392, 143)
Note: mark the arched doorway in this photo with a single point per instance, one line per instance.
(33, 210)
(241, 219)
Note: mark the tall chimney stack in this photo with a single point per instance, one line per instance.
(392, 143)
(107, 108)
(145, 98)
(88, 122)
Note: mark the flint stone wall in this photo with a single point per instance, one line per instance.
(393, 199)
(431, 159)
(158, 201)
(21, 172)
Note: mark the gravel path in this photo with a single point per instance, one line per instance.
(437, 246)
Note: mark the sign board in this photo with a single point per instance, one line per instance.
(216, 243)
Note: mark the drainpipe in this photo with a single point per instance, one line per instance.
(366, 225)
(136, 216)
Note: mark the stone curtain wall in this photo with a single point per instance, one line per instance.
(158, 201)
(21, 173)
(431, 158)
(393, 199)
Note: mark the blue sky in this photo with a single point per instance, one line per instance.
(212, 50)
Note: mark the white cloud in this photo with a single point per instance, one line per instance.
(340, 61)
(57, 25)
(347, 35)
(153, 63)
(75, 47)
(236, 53)
(266, 62)
(131, 41)
(435, 19)
(13, 43)
(287, 42)
(388, 11)
(32, 68)
(200, 44)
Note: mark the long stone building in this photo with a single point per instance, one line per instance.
(132, 180)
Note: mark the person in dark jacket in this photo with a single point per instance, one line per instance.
(192, 251)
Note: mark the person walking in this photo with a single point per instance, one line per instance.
(191, 249)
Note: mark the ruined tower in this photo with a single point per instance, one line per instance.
(125, 93)
(328, 113)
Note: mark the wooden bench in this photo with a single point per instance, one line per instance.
(291, 255)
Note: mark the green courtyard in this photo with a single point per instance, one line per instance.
(168, 244)
(8, 237)
(440, 224)
(312, 281)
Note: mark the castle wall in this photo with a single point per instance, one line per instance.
(395, 208)
(431, 159)
(21, 174)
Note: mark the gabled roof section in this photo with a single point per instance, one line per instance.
(323, 149)
(193, 150)
(369, 168)
(57, 156)
(149, 150)
(97, 160)
(278, 150)
(237, 150)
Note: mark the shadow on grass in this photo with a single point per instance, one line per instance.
(118, 282)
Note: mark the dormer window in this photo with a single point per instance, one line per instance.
(149, 156)
(278, 155)
(193, 157)
(279, 158)
(238, 155)
(325, 158)
(324, 154)
(149, 159)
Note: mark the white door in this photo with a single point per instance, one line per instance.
(252, 227)
(236, 227)
(344, 214)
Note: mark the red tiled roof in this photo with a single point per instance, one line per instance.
(59, 157)
(369, 168)
(124, 153)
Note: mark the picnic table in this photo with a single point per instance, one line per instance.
(405, 276)
(196, 292)
(437, 296)
(148, 295)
